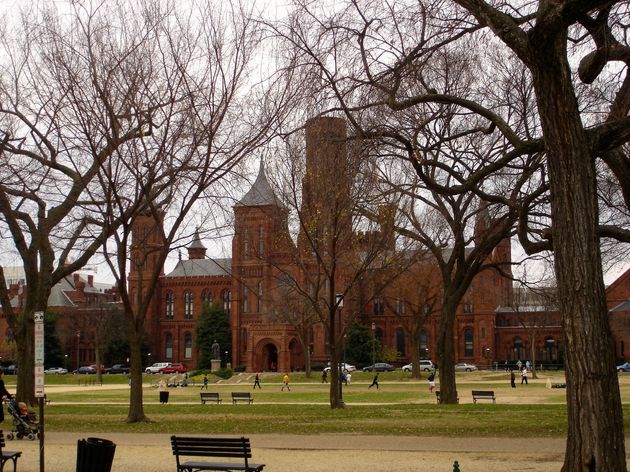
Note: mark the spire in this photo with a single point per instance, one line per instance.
(261, 192)
(196, 249)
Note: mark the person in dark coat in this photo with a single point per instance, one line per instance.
(257, 381)
(512, 379)
(3, 393)
(374, 382)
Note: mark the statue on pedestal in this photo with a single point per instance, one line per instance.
(216, 350)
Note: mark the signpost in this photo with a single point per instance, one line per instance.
(38, 318)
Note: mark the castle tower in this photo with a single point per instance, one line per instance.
(196, 250)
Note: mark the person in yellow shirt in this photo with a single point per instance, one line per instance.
(285, 383)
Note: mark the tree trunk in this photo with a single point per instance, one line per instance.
(25, 390)
(446, 352)
(335, 379)
(532, 354)
(416, 373)
(595, 440)
(136, 408)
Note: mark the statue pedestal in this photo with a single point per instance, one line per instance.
(215, 365)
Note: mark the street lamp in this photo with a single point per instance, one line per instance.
(339, 302)
(373, 344)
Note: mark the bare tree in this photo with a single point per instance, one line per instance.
(388, 52)
(61, 119)
(199, 67)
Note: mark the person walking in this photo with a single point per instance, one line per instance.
(205, 382)
(524, 376)
(257, 381)
(512, 379)
(324, 376)
(348, 378)
(374, 382)
(285, 383)
(3, 393)
(431, 380)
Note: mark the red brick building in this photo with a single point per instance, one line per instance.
(490, 327)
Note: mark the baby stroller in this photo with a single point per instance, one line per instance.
(24, 422)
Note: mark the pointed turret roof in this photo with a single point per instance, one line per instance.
(261, 192)
(196, 242)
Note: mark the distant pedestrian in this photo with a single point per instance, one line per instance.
(285, 383)
(374, 382)
(431, 380)
(512, 379)
(506, 366)
(344, 377)
(205, 382)
(257, 381)
(524, 376)
(527, 365)
(348, 378)
(324, 376)
(519, 364)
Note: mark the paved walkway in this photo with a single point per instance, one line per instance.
(320, 453)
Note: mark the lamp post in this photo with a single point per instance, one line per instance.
(339, 301)
(78, 350)
(373, 344)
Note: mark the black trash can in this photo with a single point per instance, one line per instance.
(95, 455)
(164, 397)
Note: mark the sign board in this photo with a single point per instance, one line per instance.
(38, 317)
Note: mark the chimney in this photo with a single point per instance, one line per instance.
(90, 281)
(76, 279)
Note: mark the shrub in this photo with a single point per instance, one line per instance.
(224, 373)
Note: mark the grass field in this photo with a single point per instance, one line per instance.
(401, 406)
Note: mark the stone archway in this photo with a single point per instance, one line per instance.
(266, 357)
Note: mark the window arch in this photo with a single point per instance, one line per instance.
(245, 298)
(260, 297)
(379, 307)
(206, 296)
(518, 348)
(400, 342)
(168, 346)
(469, 350)
(188, 305)
(169, 303)
(261, 241)
(188, 345)
(227, 298)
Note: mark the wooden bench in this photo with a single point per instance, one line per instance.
(8, 455)
(213, 447)
(483, 395)
(242, 397)
(438, 397)
(210, 397)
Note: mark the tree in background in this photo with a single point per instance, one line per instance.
(53, 354)
(361, 346)
(212, 326)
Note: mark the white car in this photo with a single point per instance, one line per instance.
(462, 366)
(345, 367)
(56, 370)
(155, 368)
(425, 365)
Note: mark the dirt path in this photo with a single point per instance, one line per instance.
(321, 453)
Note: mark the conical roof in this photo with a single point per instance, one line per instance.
(261, 192)
(196, 242)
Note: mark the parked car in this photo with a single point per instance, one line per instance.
(118, 369)
(155, 368)
(104, 369)
(12, 369)
(379, 367)
(462, 366)
(344, 367)
(425, 365)
(55, 370)
(86, 369)
(175, 368)
(625, 367)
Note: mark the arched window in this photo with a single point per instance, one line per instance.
(206, 296)
(468, 343)
(261, 241)
(245, 299)
(227, 295)
(400, 306)
(379, 308)
(260, 297)
(169, 305)
(400, 342)
(244, 340)
(188, 305)
(168, 346)
(518, 348)
(550, 345)
(188, 343)
(424, 345)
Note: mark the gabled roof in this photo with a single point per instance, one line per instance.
(261, 193)
(625, 306)
(202, 267)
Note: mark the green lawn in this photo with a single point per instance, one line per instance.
(402, 406)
